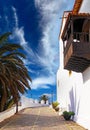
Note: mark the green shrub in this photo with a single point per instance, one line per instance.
(55, 104)
(67, 115)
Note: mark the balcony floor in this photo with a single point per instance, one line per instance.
(77, 64)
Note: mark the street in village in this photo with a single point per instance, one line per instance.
(41, 118)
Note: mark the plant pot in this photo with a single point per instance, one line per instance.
(57, 109)
(68, 117)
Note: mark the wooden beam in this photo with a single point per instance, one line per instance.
(77, 6)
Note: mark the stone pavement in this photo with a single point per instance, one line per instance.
(41, 118)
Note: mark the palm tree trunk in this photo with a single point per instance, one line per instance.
(16, 107)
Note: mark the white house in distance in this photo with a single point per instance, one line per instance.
(73, 76)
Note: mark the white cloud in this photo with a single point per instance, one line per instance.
(50, 12)
(42, 82)
(18, 34)
(49, 46)
(50, 17)
(15, 16)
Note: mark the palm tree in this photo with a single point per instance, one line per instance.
(44, 98)
(9, 102)
(14, 76)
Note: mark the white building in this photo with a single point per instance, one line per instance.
(73, 76)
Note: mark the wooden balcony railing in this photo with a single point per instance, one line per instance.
(83, 36)
(77, 52)
(78, 40)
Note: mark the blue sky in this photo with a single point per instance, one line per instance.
(35, 24)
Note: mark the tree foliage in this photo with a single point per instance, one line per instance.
(14, 77)
(44, 98)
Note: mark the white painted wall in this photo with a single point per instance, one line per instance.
(62, 88)
(83, 116)
(69, 90)
(85, 7)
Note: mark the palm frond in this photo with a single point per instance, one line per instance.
(4, 37)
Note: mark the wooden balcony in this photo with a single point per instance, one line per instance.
(77, 53)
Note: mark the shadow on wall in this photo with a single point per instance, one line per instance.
(74, 102)
(86, 75)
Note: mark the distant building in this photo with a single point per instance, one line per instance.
(73, 76)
